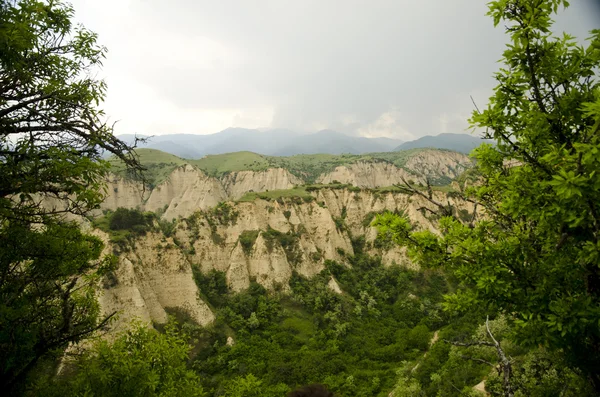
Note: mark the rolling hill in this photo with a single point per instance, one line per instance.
(462, 143)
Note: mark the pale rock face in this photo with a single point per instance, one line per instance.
(318, 237)
(427, 163)
(237, 184)
(270, 267)
(366, 174)
(334, 286)
(169, 274)
(126, 299)
(157, 275)
(323, 231)
(152, 278)
(185, 191)
(435, 163)
(238, 276)
(188, 189)
(123, 193)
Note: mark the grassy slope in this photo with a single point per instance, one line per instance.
(220, 164)
(158, 165)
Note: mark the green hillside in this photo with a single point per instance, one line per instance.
(220, 164)
(308, 167)
(158, 165)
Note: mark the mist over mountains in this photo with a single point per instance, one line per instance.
(282, 142)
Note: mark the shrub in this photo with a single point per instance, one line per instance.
(247, 240)
(130, 219)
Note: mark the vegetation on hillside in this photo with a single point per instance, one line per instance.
(52, 138)
(535, 256)
(139, 362)
(512, 298)
(157, 166)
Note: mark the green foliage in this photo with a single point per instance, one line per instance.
(540, 373)
(288, 241)
(340, 224)
(535, 255)
(130, 219)
(251, 386)
(57, 270)
(123, 225)
(212, 286)
(247, 240)
(52, 134)
(140, 362)
(225, 214)
(344, 212)
(368, 219)
(167, 227)
(286, 341)
(52, 139)
(353, 342)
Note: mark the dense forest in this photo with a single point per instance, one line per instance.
(510, 296)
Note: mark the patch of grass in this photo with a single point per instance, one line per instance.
(273, 195)
(221, 164)
(300, 324)
(340, 224)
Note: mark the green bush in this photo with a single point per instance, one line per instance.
(140, 362)
(247, 240)
(130, 219)
(288, 241)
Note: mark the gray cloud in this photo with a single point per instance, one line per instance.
(401, 68)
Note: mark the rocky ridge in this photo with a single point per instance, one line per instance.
(262, 240)
(188, 188)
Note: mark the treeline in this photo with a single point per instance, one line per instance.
(386, 331)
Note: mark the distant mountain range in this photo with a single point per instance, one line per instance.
(281, 142)
(277, 142)
(462, 143)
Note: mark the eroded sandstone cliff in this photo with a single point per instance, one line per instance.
(265, 240)
(262, 240)
(188, 189)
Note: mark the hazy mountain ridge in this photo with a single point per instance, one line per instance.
(276, 142)
(462, 143)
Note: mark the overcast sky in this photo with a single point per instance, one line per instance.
(396, 68)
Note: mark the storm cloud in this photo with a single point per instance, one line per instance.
(395, 68)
